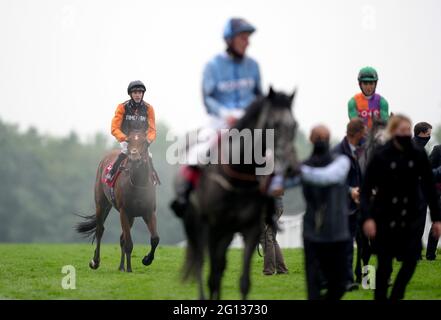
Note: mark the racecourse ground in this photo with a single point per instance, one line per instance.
(34, 271)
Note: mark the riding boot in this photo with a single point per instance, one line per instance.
(179, 205)
(115, 166)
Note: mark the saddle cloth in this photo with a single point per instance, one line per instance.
(112, 182)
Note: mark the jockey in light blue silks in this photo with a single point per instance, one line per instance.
(231, 81)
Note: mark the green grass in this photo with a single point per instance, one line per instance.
(33, 271)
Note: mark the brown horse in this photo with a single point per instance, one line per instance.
(133, 196)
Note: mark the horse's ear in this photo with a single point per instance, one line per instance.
(271, 92)
(293, 95)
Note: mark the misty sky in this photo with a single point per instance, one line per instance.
(65, 64)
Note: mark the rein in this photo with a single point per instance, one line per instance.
(145, 160)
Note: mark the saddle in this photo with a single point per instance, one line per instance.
(111, 183)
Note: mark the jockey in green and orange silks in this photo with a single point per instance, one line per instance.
(367, 104)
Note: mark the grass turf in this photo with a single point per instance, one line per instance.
(33, 271)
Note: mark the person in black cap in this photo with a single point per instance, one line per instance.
(133, 114)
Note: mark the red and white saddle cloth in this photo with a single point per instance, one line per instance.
(110, 183)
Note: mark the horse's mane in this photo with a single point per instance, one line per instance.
(251, 114)
(377, 134)
(277, 100)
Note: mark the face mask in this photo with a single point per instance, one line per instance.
(321, 147)
(361, 142)
(422, 141)
(404, 141)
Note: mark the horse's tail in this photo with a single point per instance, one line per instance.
(196, 240)
(87, 227)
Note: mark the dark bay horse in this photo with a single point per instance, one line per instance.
(376, 137)
(229, 196)
(134, 196)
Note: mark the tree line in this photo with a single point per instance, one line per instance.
(47, 180)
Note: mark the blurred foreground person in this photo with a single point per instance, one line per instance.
(231, 82)
(325, 225)
(349, 146)
(389, 205)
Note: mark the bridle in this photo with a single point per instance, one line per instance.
(135, 164)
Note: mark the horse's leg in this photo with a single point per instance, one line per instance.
(126, 224)
(200, 282)
(251, 239)
(95, 262)
(196, 233)
(123, 254)
(154, 238)
(218, 246)
(103, 207)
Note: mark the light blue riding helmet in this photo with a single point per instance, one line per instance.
(235, 26)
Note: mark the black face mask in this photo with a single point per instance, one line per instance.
(362, 142)
(320, 155)
(422, 141)
(321, 147)
(404, 141)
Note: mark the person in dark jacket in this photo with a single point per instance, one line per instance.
(133, 114)
(421, 136)
(325, 223)
(355, 132)
(432, 241)
(422, 133)
(389, 206)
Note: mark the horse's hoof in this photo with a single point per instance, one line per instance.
(129, 270)
(148, 260)
(93, 265)
(121, 269)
